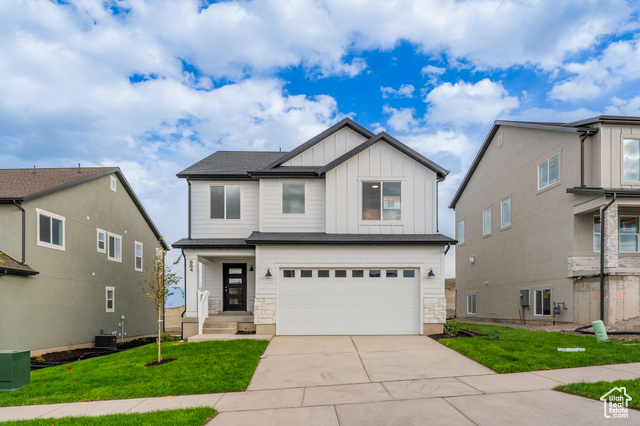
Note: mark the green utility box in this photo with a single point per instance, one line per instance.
(15, 370)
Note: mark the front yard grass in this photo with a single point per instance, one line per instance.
(518, 350)
(207, 367)
(189, 416)
(598, 389)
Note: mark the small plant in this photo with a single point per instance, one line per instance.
(70, 347)
(167, 337)
(39, 358)
(451, 327)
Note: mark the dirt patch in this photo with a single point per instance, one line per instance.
(461, 333)
(86, 353)
(164, 361)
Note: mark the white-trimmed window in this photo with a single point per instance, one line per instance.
(461, 232)
(50, 230)
(629, 230)
(631, 160)
(596, 234)
(542, 302)
(110, 296)
(505, 212)
(549, 172)
(138, 256)
(486, 221)
(471, 304)
(381, 200)
(114, 183)
(114, 249)
(225, 202)
(293, 198)
(101, 240)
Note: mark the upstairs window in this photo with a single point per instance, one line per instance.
(225, 202)
(549, 172)
(138, 256)
(461, 232)
(101, 240)
(596, 234)
(110, 298)
(486, 221)
(381, 201)
(629, 233)
(506, 212)
(50, 230)
(115, 247)
(631, 160)
(293, 198)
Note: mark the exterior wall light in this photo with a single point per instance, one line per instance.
(472, 259)
(268, 274)
(431, 274)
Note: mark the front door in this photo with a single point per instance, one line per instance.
(234, 281)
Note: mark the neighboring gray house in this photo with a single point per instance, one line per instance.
(74, 243)
(338, 236)
(528, 218)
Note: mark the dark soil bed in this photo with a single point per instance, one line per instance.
(437, 337)
(246, 332)
(86, 353)
(164, 361)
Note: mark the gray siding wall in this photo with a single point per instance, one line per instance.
(65, 304)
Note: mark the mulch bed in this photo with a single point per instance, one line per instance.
(74, 354)
(437, 337)
(164, 361)
(246, 332)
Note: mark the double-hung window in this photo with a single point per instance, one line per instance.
(471, 304)
(542, 302)
(381, 201)
(138, 256)
(486, 221)
(114, 251)
(506, 212)
(225, 202)
(50, 230)
(549, 172)
(101, 238)
(629, 233)
(461, 232)
(631, 160)
(293, 198)
(110, 293)
(596, 234)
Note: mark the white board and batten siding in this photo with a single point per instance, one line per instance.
(202, 226)
(328, 149)
(609, 156)
(382, 162)
(273, 220)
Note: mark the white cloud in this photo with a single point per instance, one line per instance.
(624, 107)
(432, 70)
(405, 91)
(401, 120)
(463, 103)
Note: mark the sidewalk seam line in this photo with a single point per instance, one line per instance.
(456, 408)
(360, 358)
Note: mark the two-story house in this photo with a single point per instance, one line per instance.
(338, 236)
(75, 244)
(529, 222)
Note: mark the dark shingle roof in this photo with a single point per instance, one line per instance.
(314, 238)
(231, 164)
(11, 266)
(23, 184)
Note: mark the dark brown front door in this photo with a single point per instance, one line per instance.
(234, 280)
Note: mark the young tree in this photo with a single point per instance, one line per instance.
(159, 286)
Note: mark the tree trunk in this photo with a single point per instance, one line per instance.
(159, 334)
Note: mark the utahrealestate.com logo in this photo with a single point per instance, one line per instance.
(616, 403)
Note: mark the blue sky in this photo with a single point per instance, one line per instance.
(154, 86)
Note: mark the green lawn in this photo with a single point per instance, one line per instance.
(207, 367)
(189, 416)
(526, 350)
(596, 390)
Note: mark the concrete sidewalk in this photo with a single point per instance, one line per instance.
(399, 380)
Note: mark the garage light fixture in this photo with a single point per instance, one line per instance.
(431, 274)
(268, 274)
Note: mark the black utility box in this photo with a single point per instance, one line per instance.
(106, 341)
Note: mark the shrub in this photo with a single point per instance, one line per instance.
(451, 327)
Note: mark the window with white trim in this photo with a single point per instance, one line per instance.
(472, 304)
(50, 230)
(114, 183)
(114, 249)
(631, 160)
(486, 221)
(293, 198)
(381, 200)
(225, 202)
(549, 172)
(506, 212)
(596, 234)
(101, 240)
(542, 302)
(628, 234)
(110, 295)
(461, 232)
(138, 256)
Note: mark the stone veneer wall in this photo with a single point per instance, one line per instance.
(435, 310)
(215, 306)
(577, 264)
(611, 237)
(264, 311)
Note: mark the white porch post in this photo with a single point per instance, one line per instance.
(192, 285)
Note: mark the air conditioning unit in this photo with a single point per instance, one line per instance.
(106, 341)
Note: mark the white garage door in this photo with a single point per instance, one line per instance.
(348, 301)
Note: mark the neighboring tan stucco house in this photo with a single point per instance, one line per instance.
(528, 222)
(75, 244)
(338, 236)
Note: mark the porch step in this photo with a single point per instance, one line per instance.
(220, 330)
(226, 318)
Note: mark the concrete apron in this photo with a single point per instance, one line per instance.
(376, 380)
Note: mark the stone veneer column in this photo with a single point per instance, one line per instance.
(435, 310)
(611, 245)
(264, 311)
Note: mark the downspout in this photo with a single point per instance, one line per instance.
(185, 288)
(447, 249)
(602, 238)
(437, 218)
(23, 230)
(584, 136)
(189, 182)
